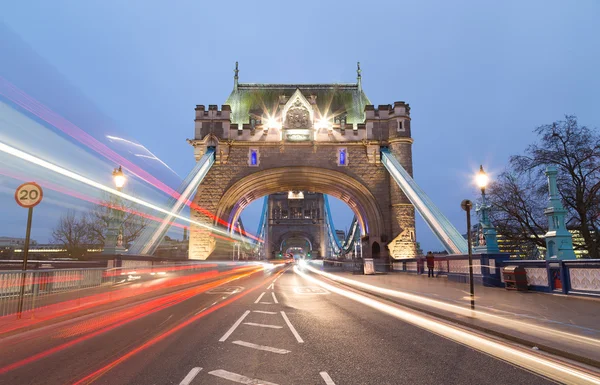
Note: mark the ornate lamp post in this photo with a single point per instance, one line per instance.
(113, 243)
(487, 242)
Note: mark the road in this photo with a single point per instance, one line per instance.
(270, 327)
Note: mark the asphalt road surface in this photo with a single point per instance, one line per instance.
(271, 327)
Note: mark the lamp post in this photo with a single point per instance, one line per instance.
(487, 241)
(113, 242)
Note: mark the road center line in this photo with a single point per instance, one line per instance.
(235, 325)
(259, 297)
(264, 312)
(261, 347)
(274, 298)
(190, 376)
(289, 324)
(263, 325)
(326, 378)
(238, 378)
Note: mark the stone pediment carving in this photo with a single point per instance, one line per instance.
(298, 113)
(297, 116)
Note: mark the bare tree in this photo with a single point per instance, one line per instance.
(518, 202)
(99, 216)
(72, 231)
(520, 194)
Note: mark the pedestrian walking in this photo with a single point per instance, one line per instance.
(430, 264)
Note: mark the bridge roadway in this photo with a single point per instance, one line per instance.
(271, 327)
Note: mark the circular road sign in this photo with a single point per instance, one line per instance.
(466, 205)
(29, 194)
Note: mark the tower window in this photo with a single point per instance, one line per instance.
(342, 157)
(253, 157)
(400, 126)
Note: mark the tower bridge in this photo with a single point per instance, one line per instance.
(323, 138)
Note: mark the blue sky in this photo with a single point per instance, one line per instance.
(479, 77)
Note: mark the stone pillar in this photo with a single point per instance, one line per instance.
(559, 241)
(403, 213)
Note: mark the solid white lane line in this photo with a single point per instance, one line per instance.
(259, 297)
(294, 332)
(235, 325)
(263, 325)
(548, 367)
(271, 286)
(264, 312)
(261, 347)
(190, 376)
(274, 298)
(326, 378)
(238, 378)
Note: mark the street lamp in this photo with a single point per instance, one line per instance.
(482, 179)
(119, 178)
(487, 239)
(113, 241)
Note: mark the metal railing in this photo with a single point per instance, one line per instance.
(43, 287)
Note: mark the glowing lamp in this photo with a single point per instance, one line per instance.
(324, 123)
(119, 177)
(482, 179)
(272, 122)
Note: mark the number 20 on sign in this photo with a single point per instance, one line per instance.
(29, 195)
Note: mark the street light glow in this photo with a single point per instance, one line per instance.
(119, 177)
(273, 122)
(482, 178)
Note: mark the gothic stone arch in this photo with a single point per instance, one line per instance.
(258, 154)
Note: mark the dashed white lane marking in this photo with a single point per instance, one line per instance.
(235, 325)
(264, 312)
(271, 286)
(261, 347)
(326, 378)
(263, 325)
(190, 376)
(274, 298)
(238, 378)
(259, 297)
(294, 332)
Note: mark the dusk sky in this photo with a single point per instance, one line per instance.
(479, 77)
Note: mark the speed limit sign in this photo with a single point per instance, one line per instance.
(29, 194)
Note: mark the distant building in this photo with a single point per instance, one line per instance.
(341, 235)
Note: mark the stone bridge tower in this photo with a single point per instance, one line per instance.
(323, 138)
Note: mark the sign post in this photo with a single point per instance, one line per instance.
(28, 195)
(467, 205)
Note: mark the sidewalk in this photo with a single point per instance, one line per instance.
(567, 325)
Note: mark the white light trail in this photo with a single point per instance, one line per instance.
(151, 156)
(547, 367)
(499, 320)
(70, 174)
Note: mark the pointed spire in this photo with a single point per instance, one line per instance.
(358, 77)
(235, 78)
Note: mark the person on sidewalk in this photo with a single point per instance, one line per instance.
(430, 264)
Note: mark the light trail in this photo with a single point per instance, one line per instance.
(52, 167)
(28, 103)
(547, 367)
(126, 317)
(151, 156)
(95, 375)
(499, 320)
